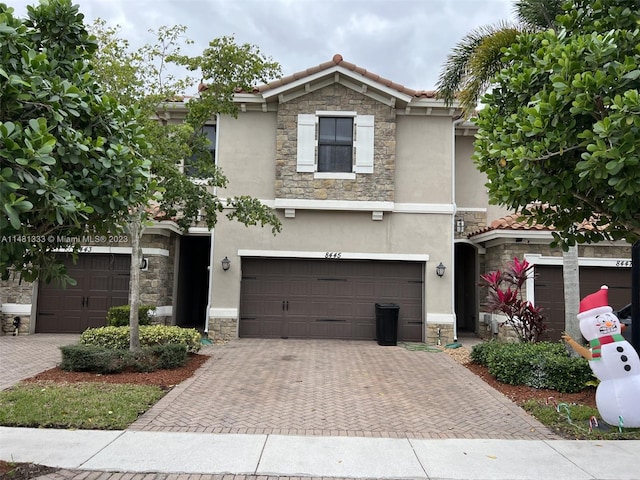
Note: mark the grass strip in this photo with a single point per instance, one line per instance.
(573, 421)
(99, 406)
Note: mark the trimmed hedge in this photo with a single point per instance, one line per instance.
(92, 358)
(117, 338)
(119, 316)
(538, 365)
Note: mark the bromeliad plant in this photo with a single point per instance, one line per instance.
(506, 295)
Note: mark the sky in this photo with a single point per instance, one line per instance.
(406, 41)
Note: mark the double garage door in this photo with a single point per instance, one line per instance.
(290, 298)
(549, 291)
(102, 282)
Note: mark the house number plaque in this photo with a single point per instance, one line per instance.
(333, 255)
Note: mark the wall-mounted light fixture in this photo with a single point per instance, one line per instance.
(459, 225)
(226, 263)
(440, 269)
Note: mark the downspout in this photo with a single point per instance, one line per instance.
(453, 226)
(211, 249)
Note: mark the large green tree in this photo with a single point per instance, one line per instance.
(559, 137)
(73, 160)
(468, 73)
(140, 78)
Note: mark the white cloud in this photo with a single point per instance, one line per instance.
(403, 40)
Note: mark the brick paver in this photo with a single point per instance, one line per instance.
(23, 356)
(337, 388)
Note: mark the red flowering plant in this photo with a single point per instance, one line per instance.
(506, 295)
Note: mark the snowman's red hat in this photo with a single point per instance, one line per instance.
(598, 299)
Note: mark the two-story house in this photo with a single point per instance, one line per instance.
(379, 202)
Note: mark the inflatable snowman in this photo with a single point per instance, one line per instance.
(612, 359)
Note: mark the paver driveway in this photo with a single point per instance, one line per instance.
(25, 355)
(325, 387)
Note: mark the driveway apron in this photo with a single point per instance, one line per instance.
(337, 388)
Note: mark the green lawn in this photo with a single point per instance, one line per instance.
(97, 406)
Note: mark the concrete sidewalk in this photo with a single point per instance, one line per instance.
(209, 454)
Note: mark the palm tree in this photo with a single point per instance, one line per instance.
(473, 62)
(467, 74)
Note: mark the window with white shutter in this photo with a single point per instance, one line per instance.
(329, 142)
(306, 143)
(364, 144)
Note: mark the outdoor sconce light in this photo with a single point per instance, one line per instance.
(440, 269)
(226, 263)
(460, 225)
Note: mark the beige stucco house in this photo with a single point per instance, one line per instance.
(375, 188)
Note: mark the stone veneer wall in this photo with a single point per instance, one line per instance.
(473, 221)
(379, 186)
(442, 333)
(14, 291)
(223, 329)
(156, 283)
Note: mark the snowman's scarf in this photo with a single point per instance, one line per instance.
(596, 353)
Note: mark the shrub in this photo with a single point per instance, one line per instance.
(538, 365)
(117, 338)
(92, 358)
(170, 355)
(480, 352)
(119, 316)
(568, 374)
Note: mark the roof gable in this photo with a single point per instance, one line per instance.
(337, 70)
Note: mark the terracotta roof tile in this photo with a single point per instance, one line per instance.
(338, 60)
(516, 221)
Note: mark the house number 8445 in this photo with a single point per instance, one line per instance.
(333, 255)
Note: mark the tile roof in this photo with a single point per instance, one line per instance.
(337, 60)
(518, 221)
(513, 221)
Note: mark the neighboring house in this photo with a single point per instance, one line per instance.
(375, 187)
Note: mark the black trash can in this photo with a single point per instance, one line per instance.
(387, 323)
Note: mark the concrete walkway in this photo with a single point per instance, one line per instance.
(202, 455)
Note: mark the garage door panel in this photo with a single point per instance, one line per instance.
(549, 291)
(330, 329)
(328, 298)
(120, 283)
(102, 282)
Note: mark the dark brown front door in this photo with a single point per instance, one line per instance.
(293, 298)
(102, 282)
(549, 291)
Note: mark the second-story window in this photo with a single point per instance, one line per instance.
(191, 167)
(335, 144)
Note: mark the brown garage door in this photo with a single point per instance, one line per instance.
(327, 298)
(549, 291)
(103, 282)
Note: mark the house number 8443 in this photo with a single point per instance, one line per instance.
(333, 255)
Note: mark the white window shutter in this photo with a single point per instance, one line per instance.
(364, 143)
(306, 143)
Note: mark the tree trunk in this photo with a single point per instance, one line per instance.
(571, 278)
(135, 230)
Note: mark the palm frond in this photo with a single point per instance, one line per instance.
(538, 14)
(474, 60)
